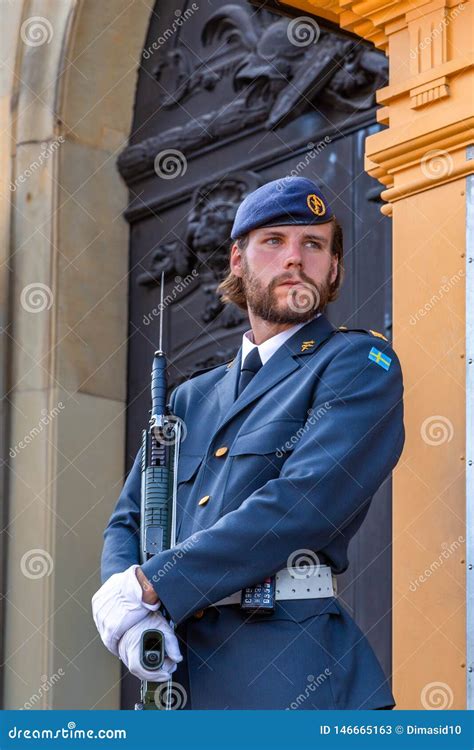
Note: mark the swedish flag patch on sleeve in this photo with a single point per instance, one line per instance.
(375, 355)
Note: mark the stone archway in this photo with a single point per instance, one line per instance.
(72, 80)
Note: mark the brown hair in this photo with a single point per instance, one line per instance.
(231, 289)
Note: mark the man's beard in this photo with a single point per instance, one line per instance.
(302, 302)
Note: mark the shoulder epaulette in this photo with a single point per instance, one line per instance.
(211, 367)
(344, 329)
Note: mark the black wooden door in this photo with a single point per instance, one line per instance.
(229, 97)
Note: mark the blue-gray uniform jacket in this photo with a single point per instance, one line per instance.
(291, 464)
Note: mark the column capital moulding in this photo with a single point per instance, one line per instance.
(428, 106)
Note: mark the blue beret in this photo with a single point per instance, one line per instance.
(289, 200)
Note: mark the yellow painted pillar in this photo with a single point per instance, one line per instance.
(424, 157)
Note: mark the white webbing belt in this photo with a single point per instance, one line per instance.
(311, 582)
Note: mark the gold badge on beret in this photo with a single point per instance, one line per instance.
(315, 204)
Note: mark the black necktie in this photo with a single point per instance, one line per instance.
(251, 366)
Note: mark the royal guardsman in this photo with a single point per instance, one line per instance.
(285, 447)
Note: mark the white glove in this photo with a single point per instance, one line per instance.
(118, 605)
(129, 649)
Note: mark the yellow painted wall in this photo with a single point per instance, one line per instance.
(429, 483)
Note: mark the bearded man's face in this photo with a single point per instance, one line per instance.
(287, 271)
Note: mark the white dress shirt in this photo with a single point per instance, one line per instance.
(269, 347)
